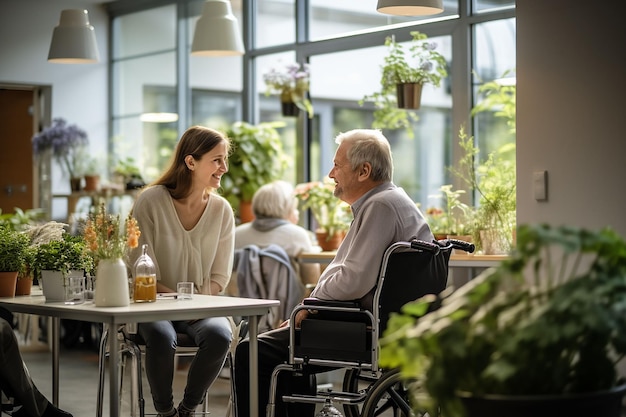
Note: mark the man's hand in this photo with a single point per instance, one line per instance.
(300, 315)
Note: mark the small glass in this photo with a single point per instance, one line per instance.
(90, 287)
(75, 290)
(145, 288)
(185, 290)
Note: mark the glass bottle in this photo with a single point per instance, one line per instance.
(145, 278)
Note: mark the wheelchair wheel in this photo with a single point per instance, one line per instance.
(388, 397)
(355, 381)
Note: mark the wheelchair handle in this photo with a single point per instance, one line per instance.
(425, 246)
(462, 245)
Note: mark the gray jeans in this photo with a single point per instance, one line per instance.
(211, 335)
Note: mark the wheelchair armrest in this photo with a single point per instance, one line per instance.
(311, 301)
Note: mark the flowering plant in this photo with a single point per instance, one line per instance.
(455, 219)
(67, 142)
(332, 214)
(105, 236)
(291, 81)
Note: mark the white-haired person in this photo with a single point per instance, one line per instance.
(383, 214)
(275, 208)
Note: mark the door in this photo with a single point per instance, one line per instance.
(16, 155)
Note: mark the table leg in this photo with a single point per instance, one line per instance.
(254, 366)
(114, 394)
(54, 339)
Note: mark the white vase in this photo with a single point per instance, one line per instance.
(111, 284)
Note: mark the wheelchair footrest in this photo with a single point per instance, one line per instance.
(320, 398)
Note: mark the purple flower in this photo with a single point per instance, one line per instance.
(64, 140)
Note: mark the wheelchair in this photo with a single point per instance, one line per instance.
(344, 335)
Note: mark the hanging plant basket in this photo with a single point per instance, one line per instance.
(409, 95)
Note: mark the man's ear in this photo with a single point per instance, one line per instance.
(365, 171)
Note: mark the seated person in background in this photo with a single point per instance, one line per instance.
(16, 382)
(276, 222)
(383, 214)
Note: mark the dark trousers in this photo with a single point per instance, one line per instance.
(273, 350)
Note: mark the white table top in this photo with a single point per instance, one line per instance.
(200, 306)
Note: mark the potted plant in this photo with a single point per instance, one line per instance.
(13, 245)
(57, 259)
(405, 71)
(257, 158)
(91, 173)
(291, 82)
(494, 182)
(128, 173)
(546, 328)
(67, 144)
(332, 215)
(455, 220)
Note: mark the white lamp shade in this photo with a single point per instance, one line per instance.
(410, 7)
(74, 39)
(217, 32)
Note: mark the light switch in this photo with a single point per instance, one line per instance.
(540, 185)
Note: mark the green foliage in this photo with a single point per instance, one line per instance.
(421, 63)
(13, 246)
(495, 181)
(21, 218)
(550, 320)
(257, 158)
(499, 98)
(68, 253)
(455, 218)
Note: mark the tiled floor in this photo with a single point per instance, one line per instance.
(79, 382)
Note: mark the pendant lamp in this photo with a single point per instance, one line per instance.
(74, 39)
(410, 7)
(217, 32)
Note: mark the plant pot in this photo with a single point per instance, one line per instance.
(493, 242)
(409, 95)
(92, 182)
(246, 214)
(603, 403)
(289, 109)
(8, 281)
(329, 243)
(112, 284)
(24, 285)
(52, 284)
(75, 183)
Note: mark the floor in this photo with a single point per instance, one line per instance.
(79, 380)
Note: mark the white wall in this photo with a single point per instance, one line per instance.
(571, 88)
(79, 92)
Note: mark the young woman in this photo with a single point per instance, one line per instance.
(189, 230)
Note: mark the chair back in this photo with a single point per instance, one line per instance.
(267, 273)
(409, 270)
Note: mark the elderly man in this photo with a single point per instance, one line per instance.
(383, 214)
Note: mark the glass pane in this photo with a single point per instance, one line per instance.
(276, 23)
(145, 32)
(270, 108)
(330, 18)
(131, 77)
(491, 5)
(494, 60)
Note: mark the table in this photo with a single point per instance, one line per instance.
(201, 306)
(456, 261)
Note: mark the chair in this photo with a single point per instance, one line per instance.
(268, 273)
(131, 348)
(344, 335)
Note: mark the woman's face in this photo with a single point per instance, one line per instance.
(210, 168)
